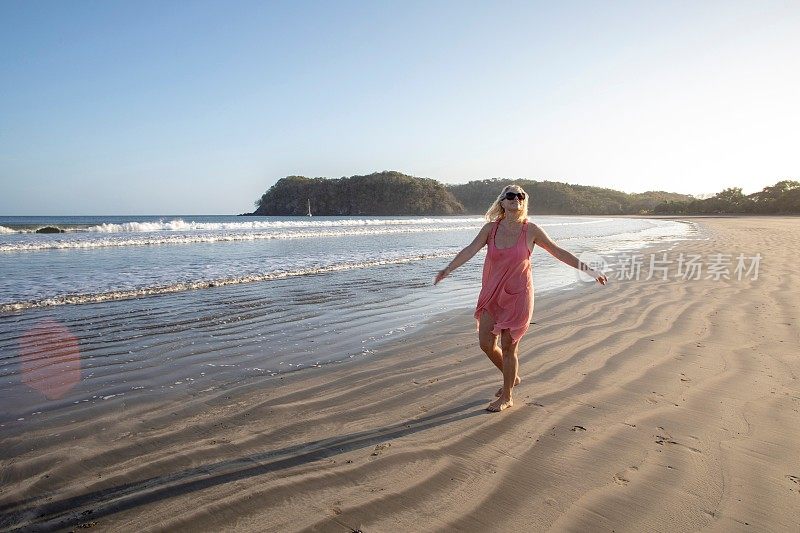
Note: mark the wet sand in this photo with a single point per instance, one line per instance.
(645, 405)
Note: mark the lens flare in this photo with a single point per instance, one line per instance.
(50, 359)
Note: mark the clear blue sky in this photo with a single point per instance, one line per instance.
(198, 107)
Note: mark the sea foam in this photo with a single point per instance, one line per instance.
(179, 231)
(181, 225)
(67, 243)
(203, 284)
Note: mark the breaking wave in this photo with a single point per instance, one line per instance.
(204, 284)
(178, 231)
(181, 225)
(67, 244)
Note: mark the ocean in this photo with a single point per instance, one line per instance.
(123, 307)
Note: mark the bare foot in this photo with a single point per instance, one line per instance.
(500, 404)
(499, 392)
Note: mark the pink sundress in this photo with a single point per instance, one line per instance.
(507, 288)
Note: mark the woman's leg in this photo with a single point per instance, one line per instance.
(510, 369)
(488, 340)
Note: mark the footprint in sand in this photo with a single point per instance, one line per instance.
(661, 440)
(620, 480)
(380, 447)
(623, 478)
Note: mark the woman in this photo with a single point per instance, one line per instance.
(505, 303)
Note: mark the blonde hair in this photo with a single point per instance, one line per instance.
(496, 211)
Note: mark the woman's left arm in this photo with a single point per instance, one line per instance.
(541, 238)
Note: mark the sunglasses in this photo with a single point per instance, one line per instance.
(511, 195)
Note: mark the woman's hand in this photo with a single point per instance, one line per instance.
(599, 276)
(443, 273)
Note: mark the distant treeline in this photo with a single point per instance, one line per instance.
(394, 193)
(556, 198)
(781, 198)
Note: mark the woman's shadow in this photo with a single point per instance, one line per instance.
(90, 506)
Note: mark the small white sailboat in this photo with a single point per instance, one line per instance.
(309, 208)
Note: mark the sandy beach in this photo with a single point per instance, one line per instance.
(645, 405)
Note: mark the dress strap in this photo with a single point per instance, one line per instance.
(494, 232)
(523, 236)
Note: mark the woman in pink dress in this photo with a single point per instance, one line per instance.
(505, 303)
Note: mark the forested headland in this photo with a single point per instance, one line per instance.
(395, 193)
(380, 193)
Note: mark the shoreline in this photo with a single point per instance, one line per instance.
(644, 405)
(15, 422)
(114, 290)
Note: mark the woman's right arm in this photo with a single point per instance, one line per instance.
(467, 253)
